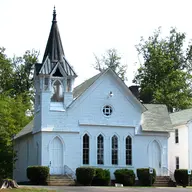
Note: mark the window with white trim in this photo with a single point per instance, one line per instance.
(100, 150)
(57, 92)
(107, 110)
(86, 149)
(128, 150)
(114, 155)
(177, 163)
(176, 136)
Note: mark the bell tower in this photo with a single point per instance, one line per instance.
(54, 77)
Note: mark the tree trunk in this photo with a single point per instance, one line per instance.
(8, 184)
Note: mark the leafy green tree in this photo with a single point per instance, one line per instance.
(111, 59)
(16, 93)
(165, 75)
(6, 71)
(12, 119)
(23, 68)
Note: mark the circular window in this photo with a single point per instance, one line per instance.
(107, 110)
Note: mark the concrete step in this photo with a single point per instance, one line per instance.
(60, 180)
(165, 180)
(58, 176)
(160, 185)
(162, 181)
(61, 184)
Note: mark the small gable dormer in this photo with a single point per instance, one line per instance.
(54, 77)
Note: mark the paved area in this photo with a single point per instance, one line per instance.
(113, 189)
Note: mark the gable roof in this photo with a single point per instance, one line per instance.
(181, 117)
(156, 118)
(26, 130)
(79, 90)
(48, 66)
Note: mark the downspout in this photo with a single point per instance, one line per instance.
(189, 152)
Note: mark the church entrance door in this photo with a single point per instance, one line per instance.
(56, 157)
(155, 156)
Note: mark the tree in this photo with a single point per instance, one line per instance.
(12, 119)
(16, 93)
(23, 68)
(165, 75)
(6, 71)
(111, 60)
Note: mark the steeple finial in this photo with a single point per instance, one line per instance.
(54, 15)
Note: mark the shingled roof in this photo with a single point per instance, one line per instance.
(26, 130)
(156, 118)
(181, 117)
(85, 85)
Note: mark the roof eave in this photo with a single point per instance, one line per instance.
(20, 136)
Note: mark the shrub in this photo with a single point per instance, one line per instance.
(38, 174)
(181, 177)
(144, 176)
(125, 176)
(84, 175)
(101, 178)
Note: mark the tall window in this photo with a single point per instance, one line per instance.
(57, 91)
(46, 83)
(114, 157)
(128, 150)
(100, 150)
(85, 149)
(177, 162)
(176, 136)
(69, 88)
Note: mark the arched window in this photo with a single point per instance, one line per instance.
(114, 156)
(57, 91)
(85, 149)
(46, 83)
(128, 150)
(69, 85)
(100, 150)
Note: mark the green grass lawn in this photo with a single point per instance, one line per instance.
(26, 190)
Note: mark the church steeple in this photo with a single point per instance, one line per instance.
(54, 48)
(54, 53)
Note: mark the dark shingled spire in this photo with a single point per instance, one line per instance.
(54, 48)
(54, 55)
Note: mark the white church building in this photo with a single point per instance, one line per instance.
(99, 123)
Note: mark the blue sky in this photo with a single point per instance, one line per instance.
(90, 27)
